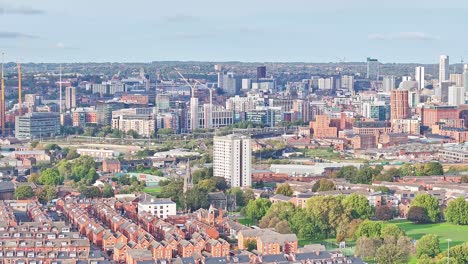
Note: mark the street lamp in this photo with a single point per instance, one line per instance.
(448, 250)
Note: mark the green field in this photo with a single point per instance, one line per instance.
(323, 153)
(152, 190)
(246, 221)
(457, 234)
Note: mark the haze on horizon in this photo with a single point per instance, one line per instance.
(249, 31)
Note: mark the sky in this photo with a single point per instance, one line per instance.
(241, 30)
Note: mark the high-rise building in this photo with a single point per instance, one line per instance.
(419, 77)
(373, 69)
(441, 92)
(232, 156)
(456, 79)
(399, 107)
(230, 84)
(444, 69)
(70, 97)
(246, 84)
(37, 125)
(261, 72)
(456, 95)
(465, 77)
(347, 82)
(389, 83)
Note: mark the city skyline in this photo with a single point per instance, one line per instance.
(202, 31)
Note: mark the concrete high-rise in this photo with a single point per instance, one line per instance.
(389, 83)
(399, 106)
(373, 69)
(70, 97)
(261, 72)
(456, 95)
(441, 92)
(444, 69)
(37, 125)
(419, 77)
(465, 77)
(456, 79)
(232, 156)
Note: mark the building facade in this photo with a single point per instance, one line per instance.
(37, 125)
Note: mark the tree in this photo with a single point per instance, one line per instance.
(428, 245)
(347, 172)
(284, 189)
(392, 230)
(72, 154)
(305, 225)
(256, 209)
(208, 185)
(91, 192)
(24, 192)
(239, 194)
(107, 191)
(323, 185)
(46, 193)
(457, 211)
(430, 205)
(282, 227)
(407, 170)
(283, 210)
(358, 206)
(418, 215)
(250, 244)
(164, 131)
(248, 195)
(383, 213)
(459, 254)
(371, 229)
(433, 168)
(328, 211)
(395, 251)
(196, 198)
(387, 175)
(367, 247)
(366, 174)
(51, 176)
(34, 177)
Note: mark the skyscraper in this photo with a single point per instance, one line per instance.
(419, 77)
(70, 97)
(399, 106)
(456, 95)
(465, 77)
(444, 68)
(232, 159)
(373, 69)
(261, 72)
(388, 83)
(230, 84)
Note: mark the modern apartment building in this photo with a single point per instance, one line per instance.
(232, 159)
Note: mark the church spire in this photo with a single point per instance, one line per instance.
(188, 182)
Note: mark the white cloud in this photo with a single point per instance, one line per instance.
(402, 36)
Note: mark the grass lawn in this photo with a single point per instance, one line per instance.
(246, 221)
(457, 234)
(152, 190)
(323, 153)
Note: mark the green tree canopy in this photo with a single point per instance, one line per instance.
(46, 193)
(51, 176)
(371, 229)
(107, 191)
(457, 211)
(258, 208)
(323, 185)
(392, 230)
(430, 204)
(358, 206)
(284, 189)
(24, 192)
(428, 245)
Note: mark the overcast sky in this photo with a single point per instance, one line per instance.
(241, 30)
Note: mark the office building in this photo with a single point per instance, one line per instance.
(231, 85)
(347, 82)
(465, 77)
(389, 83)
(37, 125)
(456, 95)
(261, 72)
(456, 79)
(70, 97)
(140, 120)
(441, 92)
(444, 68)
(399, 107)
(246, 84)
(373, 69)
(419, 77)
(232, 160)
